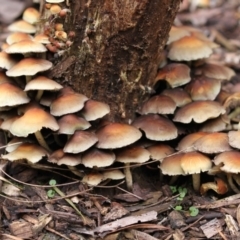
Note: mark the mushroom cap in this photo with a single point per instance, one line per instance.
(158, 104)
(234, 139)
(214, 125)
(189, 48)
(113, 174)
(43, 83)
(93, 179)
(213, 143)
(69, 123)
(177, 33)
(132, 155)
(98, 158)
(117, 135)
(17, 37)
(32, 121)
(187, 143)
(230, 161)
(93, 110)
(195, 162)
(156, 127)
(15, 142)
(159, 151)
(203, 88)
(29, 151)
(41, 38)
(178, 95)
(21, 26)
(232, 101)
(80, 141)
(216, 71)
(26, 46)
(176, 74)
(199, 111)
(4, 78)
(11, 95)
(67, 102)
(59, 157)
(7, 61)
(29, 67)
(31, 15)
(7, 123)
(54, 1)
(172, 165)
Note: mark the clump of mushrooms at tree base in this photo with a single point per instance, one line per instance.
(54, 122)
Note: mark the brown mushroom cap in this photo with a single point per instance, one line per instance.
(94, 110)
(93, 179)
(159, 151)
(177, 33)
(203, 88)
(32, 121)
(234, 139)
(59, 157)
(21, 26)
(132, 155)
(176, 74)
(195, 162)
(43, 83)
(214, 125)
(117, 135)
(31, 15)
(158, 104)
(41, 38)
(11, 95)
(17, 37)
(98, 158)
(156, 127)
(189, 48)
(23, 67)
(113, 174)
(26, 46)
(67, 102)
(80, 141)
(172, 165)
(7, 61)
(178, 95)
(199, 112)
(29, 151)
(187, 143)
(69, 123)
(215, 71)
(213, 143)
(230, 161)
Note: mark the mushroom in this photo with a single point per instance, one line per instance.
(29, 151)
(7, 61)
(230, 163)
(194, 163)
(218, 186)
(31, 15)
(156, 127)
(158, 104)
(117, 135)
(33, 120)
(17, 37)
(130, 155)
(205, 110)
(21, 26)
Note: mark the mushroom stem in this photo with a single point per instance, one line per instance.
(75, 171)
(196, 181)
(39, 95)
(128, 176)
(41, 140)
(28, 78)
(231, 184)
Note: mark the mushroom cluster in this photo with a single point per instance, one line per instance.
(53, 121)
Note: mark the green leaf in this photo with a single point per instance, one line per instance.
(193, 211)
(178, 208)
(173, 189)
(52, 182)
(182, 190)
(51, 193)
(182, 194)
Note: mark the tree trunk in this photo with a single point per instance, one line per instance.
(116, 50)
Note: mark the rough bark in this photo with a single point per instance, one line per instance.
(116, 50)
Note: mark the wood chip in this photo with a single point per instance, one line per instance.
(21, 229)
(211, 228)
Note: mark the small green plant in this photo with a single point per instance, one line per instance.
(193, 211)
(51, 192)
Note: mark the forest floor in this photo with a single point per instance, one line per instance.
(154, 209)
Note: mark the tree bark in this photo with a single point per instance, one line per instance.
(116, 50)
